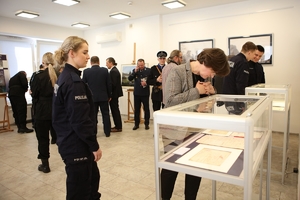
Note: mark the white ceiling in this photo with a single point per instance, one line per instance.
(96, 12)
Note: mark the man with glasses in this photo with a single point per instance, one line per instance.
(155, 79)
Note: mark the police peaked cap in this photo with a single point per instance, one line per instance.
(162, 54)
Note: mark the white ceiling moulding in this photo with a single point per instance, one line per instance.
(109, 37)
(80, 25)
(26, 14)
(119, 15)
(172, 4)
(66, 2)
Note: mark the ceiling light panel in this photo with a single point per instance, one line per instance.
(26, 14)
(66, 2)
(119, 15)
(174, 4)
(80, 25)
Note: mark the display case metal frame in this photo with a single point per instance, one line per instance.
(284, 90)
(174, 116)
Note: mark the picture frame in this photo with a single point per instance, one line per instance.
(126, 70)
(190, 49)
(235, 45)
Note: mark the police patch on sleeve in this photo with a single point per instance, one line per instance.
(80, 97)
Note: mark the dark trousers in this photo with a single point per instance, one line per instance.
(19, 108)
(168, 179)
(138, 101)
(42, 129)
(53, 133)
(105, 115)
(115, 111)
(83, 178)
(156, 105)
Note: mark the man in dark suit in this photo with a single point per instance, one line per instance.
(117, 92)
(141, 93)
(256, 70)
(99, 82)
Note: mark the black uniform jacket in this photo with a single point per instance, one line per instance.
(18, 85)
(237, 80)
(98, 81)
(139, 90)
(116, 85)
(256, 73)
(151, 80)
(42, 93)
(73, 115)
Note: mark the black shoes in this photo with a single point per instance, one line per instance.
(147, 127)
(135, 127)
(114, 129)
(44, 167)
(25, 130)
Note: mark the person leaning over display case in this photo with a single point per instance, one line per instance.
(174, 60)
(256, 70)
(237, 80)
(74, 122)
(141, 93)
(182, 86)
(155, 79)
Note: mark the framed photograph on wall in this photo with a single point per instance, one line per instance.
(126, 70)
(190, 49)
(235, 46)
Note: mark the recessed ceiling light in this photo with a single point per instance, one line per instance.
(80, 25)
(119, 15)
(66, 2)
(26, 14)
(173, 4)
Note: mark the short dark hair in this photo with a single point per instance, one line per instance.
(260, 48)
(112, 60)
(141, 60)
(215, 59)
(95, 59)
(248, 46)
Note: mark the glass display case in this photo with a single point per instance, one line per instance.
(219, 137)
(281, 106)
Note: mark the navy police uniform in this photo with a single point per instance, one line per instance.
(256, 73)
(237, 80)
(74, 122)
(141, 95)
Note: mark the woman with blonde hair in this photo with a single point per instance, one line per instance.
(42, 94)
(74, 122)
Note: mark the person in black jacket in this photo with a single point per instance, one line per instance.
(141, 93)
(42, 93)
(74, 122)
(18, 86)
(237, 80)
(117, 92)
(256, 70)
(98, 80)
(155, 79)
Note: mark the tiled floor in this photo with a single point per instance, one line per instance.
(127, 170)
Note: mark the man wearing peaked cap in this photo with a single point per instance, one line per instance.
(155, 79)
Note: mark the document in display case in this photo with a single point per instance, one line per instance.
(219, 137)
(281, 97)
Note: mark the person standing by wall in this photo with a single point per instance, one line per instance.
(141, 93)
(174, 60)
(42, 92)
(155, 79)
(98, 80)
(117, 92)
(181, 87)
(18, 86)
(74, 122)
(237, 80)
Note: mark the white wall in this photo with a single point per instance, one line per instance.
(156, 33)
(242, 19)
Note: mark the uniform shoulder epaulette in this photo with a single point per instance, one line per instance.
(75, 77)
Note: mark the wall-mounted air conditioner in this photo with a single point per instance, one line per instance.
(109, 37)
